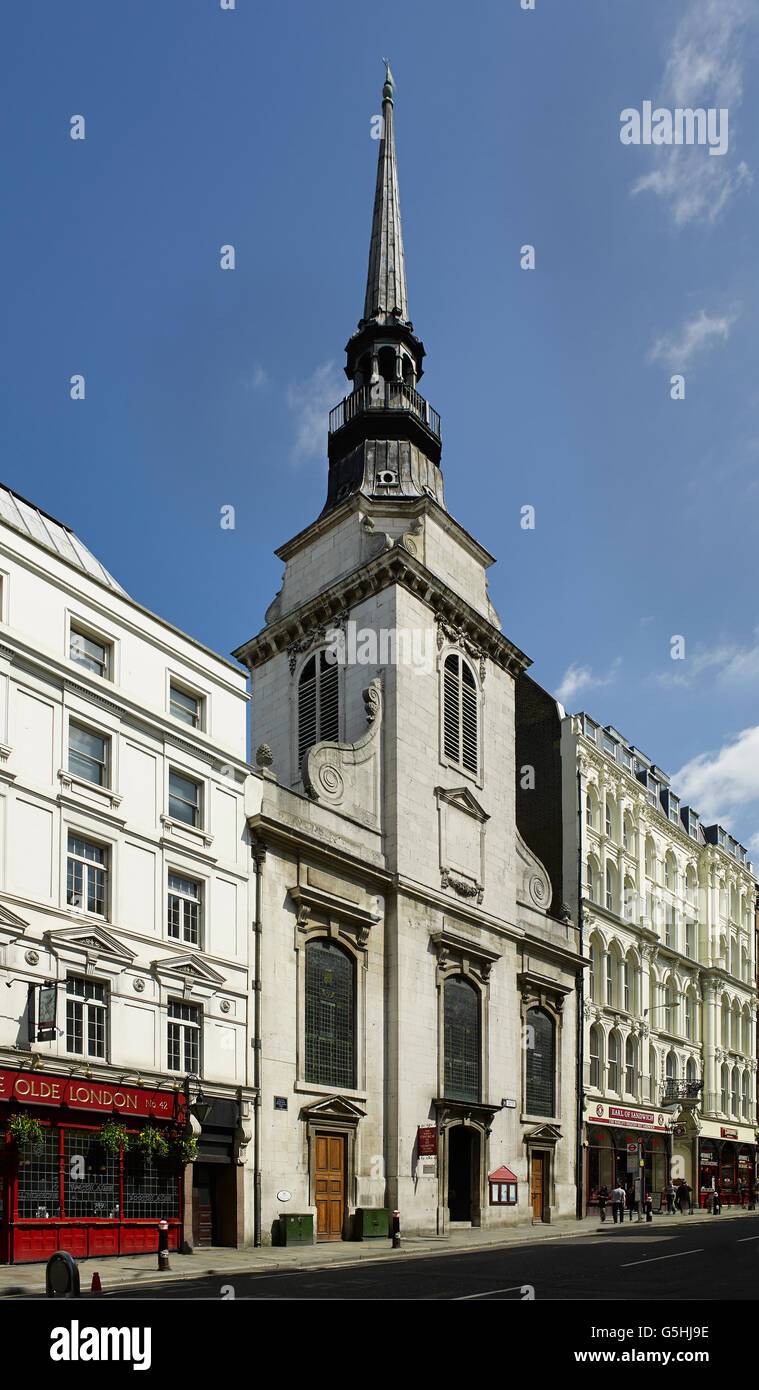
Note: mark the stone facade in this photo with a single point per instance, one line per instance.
(387, 830)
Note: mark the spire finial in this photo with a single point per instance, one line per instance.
(389, 87)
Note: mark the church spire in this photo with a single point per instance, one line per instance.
(384, 438)
(386, 299)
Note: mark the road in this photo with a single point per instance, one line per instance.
(678, 1260)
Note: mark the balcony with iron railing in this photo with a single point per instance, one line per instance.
(676, 1091)
(384, 395)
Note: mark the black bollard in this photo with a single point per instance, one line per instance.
(62, 1276)
(396, 1230)
(163, 1245)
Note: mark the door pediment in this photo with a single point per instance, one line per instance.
(543, 1134)
(333, 1108)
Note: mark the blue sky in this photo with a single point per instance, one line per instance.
(206, 388)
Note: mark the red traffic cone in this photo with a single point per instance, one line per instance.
(96, 1285)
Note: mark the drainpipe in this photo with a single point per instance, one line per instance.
(580, 1176)
(259, 855)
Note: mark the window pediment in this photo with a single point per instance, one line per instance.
(188, 967)
(90, 941)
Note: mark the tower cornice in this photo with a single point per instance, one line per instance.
(393, 566)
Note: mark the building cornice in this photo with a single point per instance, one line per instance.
(393, 566)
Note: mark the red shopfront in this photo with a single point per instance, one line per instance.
(72, 1192)
(728, 1167)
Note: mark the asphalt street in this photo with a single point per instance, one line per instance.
(668, 1259)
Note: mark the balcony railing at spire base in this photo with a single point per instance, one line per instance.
(384, 395)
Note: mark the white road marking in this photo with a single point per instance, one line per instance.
(462, 1297)
(743, 1239)
(655, 1258)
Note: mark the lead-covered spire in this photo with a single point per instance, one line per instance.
(386, 299)
(384, 438)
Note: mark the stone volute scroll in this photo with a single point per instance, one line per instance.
(346, 776)
(533, 883)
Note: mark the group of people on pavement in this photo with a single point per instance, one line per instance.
(623, 1200)
(678, 1198)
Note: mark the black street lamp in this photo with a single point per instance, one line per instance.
(200, 1106)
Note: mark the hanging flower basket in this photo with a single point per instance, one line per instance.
(114, 1137)
(152, 1143)
(185, 1150)
(26, 1130)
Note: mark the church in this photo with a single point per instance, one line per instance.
(414, 1023)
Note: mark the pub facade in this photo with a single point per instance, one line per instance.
(125, 1094)
(70, 1179)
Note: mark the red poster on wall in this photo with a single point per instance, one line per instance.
(426, 1139)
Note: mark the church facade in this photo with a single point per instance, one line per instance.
(415, 1033)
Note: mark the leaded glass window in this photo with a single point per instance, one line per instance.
(461, 1040)
(330, 1016)
(39, 1177)
(90, 1175)
(541, 1063)
(150, 1186)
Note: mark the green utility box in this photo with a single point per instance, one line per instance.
(372, 1222)
(296, 1228)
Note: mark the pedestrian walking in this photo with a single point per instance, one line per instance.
(630, 1201)
(669, 1193)
(603, 1197)
(684, 1197)
(741, 1192)
(618, 1203)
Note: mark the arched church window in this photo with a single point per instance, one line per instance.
(460, 713)
(461, 1039)
(541, 1063)
(330, 1015)
(318, 702)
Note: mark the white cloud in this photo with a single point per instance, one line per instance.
(311, 402)
(731, 665)
(258, 378)
(724, 782)
(578, 678)
(704, 68)
(695, 336)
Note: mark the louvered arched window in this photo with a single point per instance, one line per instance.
(460, 714)
(318, 702)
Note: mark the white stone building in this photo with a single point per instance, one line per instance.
(670, 998)
(418, 1027)
(124, 912)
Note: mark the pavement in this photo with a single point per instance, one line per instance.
(130, 1271)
